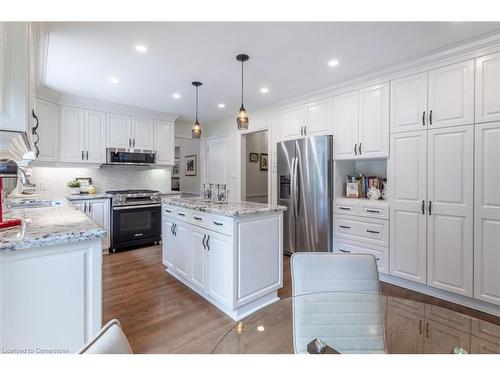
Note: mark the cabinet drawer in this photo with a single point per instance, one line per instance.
(380, 253)
(169, 211)
(183, 214)
(372, 209)
(343, 207)
(199, 218)
(221, 224)
(372, 231)
(486, 330)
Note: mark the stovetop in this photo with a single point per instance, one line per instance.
(126, 192)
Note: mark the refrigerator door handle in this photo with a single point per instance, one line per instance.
(295, 196)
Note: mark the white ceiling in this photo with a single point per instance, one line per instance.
(288, 58)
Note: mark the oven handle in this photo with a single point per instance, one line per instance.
(138, 206)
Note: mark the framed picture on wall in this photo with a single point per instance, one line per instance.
(254, 157)
(190, 165)
(263, 162)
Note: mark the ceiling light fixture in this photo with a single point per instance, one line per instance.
(114, 80)
(196, 132)
(242, 119)
(176, 95)
(221, 105)
(333, 63)
(264, 90)
(141, 48)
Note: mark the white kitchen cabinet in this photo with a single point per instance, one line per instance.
(451, 95)
(219, 267)
(48, 130)
(199, 259)
(142, 134)
(15, 111)
(361, 123)
(99, 211)
(95, 137)
(292, 123)
(488, 88)
(168, 242)
(373, 141)
(182, 249)
(72, 125)
(345, 125)
(119, 131)
(409, 103)
(487, 213)
(407, 173)
(318, 118)
(164, 135)
(450, 209)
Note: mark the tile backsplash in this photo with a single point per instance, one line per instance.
(53, 180)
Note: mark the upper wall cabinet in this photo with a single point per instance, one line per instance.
(14, 76)
(119, 131)
(488, 88)
(361, 123)
(311, 119)
(439, 98)
(95, 137)
(164, 142)
(48, 130)
(142, 135)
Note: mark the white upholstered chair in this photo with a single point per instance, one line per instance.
(109, 340)
(337, 299)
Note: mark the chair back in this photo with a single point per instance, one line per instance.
(109, 340)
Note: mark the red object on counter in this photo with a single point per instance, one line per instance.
(7, 223)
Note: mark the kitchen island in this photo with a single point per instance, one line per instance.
(50, 280)
(231, 254)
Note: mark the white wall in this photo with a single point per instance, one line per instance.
(256, 179)
(188, 146)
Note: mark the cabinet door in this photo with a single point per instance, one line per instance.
(373, 138)
(404, 331)
(487, 214)
(409, 103)
(72, 135)
(164, 142)
(451, 95)
(480, 346)
(450, 211)
(319, 118)
(218, 267)
(345, 125)
(199, 259)
(48, 130)
(182, 249)
(488, 88)
(407, 173)
(119, 131)
(440, 339)
(292, 122)
(168, 243)
(80, 205)
(95, 137)
(142, 134)
(99, 213)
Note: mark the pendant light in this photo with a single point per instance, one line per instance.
(242, 119)
(196, 132)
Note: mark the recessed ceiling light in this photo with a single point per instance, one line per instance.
(221, 105)
(176, 95)
(114, 80)
(264, 90)
(333, 63)
(141, 48)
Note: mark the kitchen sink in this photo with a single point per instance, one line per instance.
(33, 203)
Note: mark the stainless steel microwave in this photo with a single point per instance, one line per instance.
(125, 156)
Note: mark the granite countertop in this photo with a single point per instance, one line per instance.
(232, 209)
(81, 197)
(47, 226)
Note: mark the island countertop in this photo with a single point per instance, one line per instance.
(231, 209)
(47, 226)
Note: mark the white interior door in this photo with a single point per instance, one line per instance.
(95, 136)
(142, 134)
(345, 125)
(72, 134)
(199, 259)
(218, 163)
(487, 214)
(374, 121)
(451, 95)
(409, 103)
(488, 88)
(319, 120)
(119, 131)
(407, 175)
(292, 122)
(450, 211)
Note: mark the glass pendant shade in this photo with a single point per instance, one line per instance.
(196, 131)
(242, 119)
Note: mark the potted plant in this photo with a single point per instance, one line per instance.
(74, 186)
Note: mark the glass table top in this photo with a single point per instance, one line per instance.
(359, 323)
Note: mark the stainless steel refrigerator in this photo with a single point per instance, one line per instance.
(305, 187)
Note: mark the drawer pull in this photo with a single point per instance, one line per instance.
(197, 218)
(168, 211)
(344, 227)
(138, 234)
(378, 259)
(373, 211)
(217, 223)
(345, 208)
(372, 231)
(182, 214)
(344, 251)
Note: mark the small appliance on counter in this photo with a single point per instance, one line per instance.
(8, 181)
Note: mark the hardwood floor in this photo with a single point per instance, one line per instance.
(161, 315)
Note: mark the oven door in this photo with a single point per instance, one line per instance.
(133, 225)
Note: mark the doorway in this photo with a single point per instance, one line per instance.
(255, 167)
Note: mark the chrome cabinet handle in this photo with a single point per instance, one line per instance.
(344, 227)
(203, 241)
(372, 231)
(208, 245)
(90, 207)
(305, 130)
(197, 217)
(172, 229)
(182, 214)
(430, 117)
(344, 251)
(423, 118)
(87, 155)
(175, 230)
(129, 142)
(133, 142)
(360, 148)
(430, 207)
(82, 154)
(423, 207)
(217, 223)
(344, 208)
(168, 211)
(355, 149)
(373, 211)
